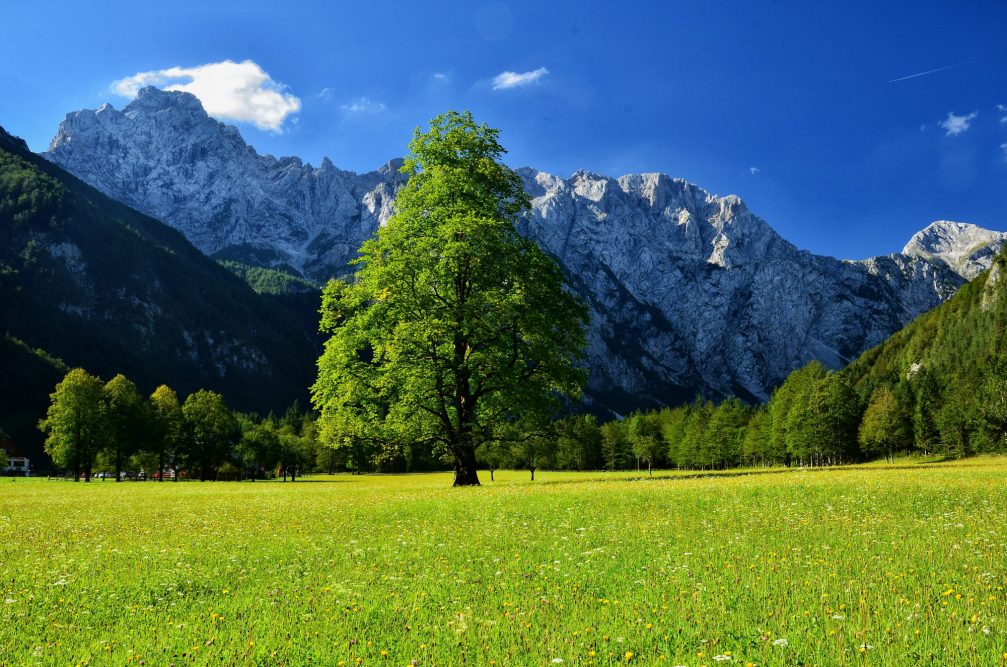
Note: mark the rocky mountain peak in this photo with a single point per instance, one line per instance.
(966, 248)
(151, 98)
(392, 166)
(165, 156)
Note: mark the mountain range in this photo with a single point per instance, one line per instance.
(689, 292)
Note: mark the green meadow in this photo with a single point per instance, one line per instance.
(879, 565)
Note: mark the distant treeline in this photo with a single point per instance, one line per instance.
(109, 427)
(817, 417)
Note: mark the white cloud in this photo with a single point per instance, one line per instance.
(363, 105)
(325, 94)
(506, 80)
(1002, 107)
(955, 125)
(753, 170)
(131, 85)
(1003, 147)
(228, 90)
(440, 77)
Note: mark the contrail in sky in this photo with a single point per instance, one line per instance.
(933, 71)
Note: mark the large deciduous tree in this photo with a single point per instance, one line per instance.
(74, 424)
(455, 330)
(125, 417)
(211, 431)
(165, 428)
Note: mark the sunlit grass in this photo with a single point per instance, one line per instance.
(885, 566)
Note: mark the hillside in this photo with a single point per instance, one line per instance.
(958, 338)
(29, 375)
(101, 286)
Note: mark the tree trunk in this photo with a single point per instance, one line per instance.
(491, 475)
(465, 466)
(118, 465)
(532, 468)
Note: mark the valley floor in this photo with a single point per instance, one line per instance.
(886, 565)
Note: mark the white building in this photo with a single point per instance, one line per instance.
(17, 465)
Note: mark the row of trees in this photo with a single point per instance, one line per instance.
(91, 425)
(816, 417)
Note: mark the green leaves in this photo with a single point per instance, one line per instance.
(74, 423)
(212, 430)
(885, 427)
(455, 329)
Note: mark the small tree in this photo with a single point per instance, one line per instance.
(993, 402)
(958, 418)
(455, 330)
(329, 459)
(673, 423)
(495, 455)
(926, 434)
(211, 431)
(724, 434)
(578, 443)
(692, 445)
(533, 451)
(165, 428)
(124, 412)
(645, 437)
(885, 428)
(74, 424)
(616, 449)
(259, 447)
(755, 442)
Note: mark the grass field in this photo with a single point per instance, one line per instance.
(856, 566)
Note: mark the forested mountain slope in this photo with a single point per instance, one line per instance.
(101, 286)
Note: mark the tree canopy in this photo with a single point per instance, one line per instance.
(213, 430)
(74, 425)
(455, 331)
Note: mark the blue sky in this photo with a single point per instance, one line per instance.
(794, 106)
